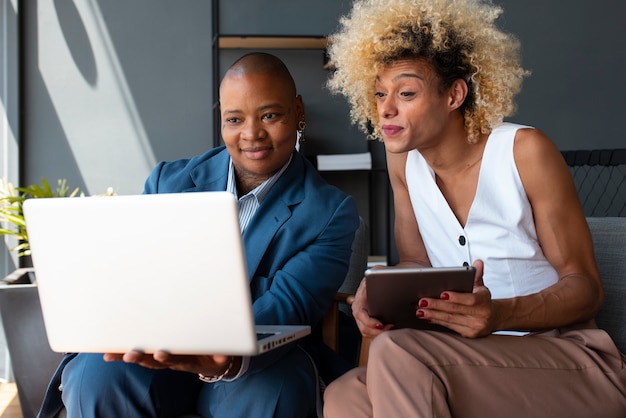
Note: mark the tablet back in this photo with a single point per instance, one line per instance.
(393, 293)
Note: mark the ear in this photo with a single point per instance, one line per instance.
(457, 94)
(299, 108)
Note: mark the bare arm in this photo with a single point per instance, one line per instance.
(564, 237)
(411, 249)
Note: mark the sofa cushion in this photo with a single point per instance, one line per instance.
(609, 240)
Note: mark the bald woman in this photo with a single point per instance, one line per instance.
(297, 233)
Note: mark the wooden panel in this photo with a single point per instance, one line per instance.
(272, 42)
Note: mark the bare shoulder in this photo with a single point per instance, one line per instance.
(537, 156)
(533, 146)
(543, 170)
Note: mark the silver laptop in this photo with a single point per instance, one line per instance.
(146, 272)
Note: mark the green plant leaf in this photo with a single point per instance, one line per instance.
(11, 200)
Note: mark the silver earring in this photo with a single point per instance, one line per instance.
(301, 127)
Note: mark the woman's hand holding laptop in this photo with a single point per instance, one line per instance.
(213, 367)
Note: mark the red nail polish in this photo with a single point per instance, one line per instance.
(423, 303)
(379, 326)
(420, 314)
(445, 296)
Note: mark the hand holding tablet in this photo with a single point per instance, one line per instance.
(393, 293)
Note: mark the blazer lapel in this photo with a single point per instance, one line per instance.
(211, 175)
(274, 212)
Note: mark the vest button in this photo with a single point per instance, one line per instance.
(462, 240)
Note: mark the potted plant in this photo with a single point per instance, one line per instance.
(11, 200)
(32, 360)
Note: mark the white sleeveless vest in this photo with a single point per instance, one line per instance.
(500, 229)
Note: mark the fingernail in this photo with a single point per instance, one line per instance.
(445, 296)
(423, 303)
(420, 314)
(379, 326)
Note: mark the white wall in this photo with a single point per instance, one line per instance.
(9, 129)
(9, 134)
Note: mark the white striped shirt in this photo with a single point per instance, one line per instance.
(249, 203)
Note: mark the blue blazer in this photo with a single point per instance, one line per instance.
(297, 245)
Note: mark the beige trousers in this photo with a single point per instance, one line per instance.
(566, 373)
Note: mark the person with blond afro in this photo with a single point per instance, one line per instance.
(434, 80)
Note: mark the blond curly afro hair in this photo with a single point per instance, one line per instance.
(457, 37)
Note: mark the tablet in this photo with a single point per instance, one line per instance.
(393, 293)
